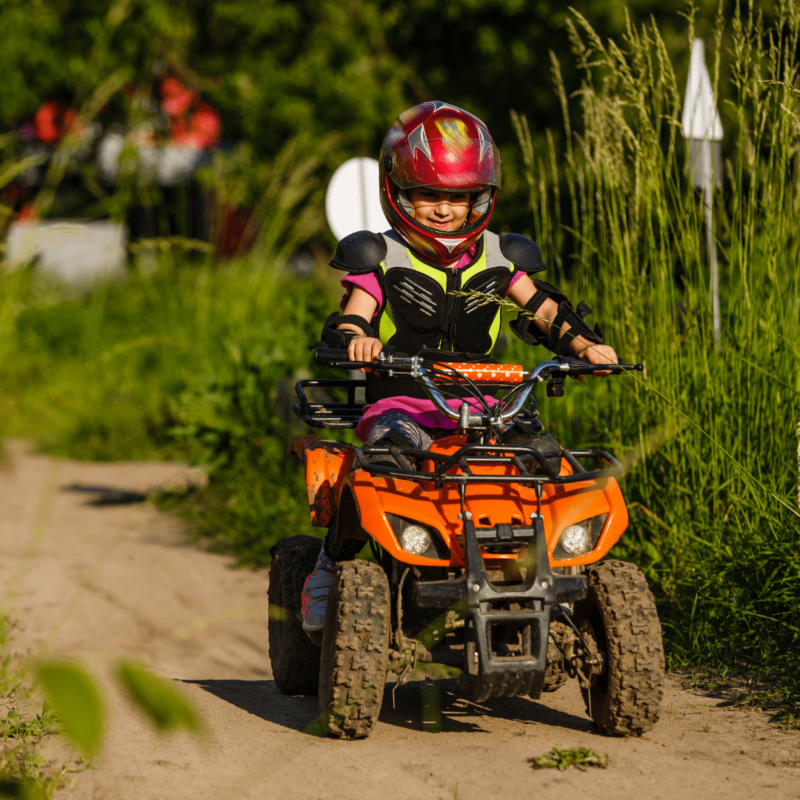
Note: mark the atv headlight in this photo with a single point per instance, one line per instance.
(418, 539)
(576, 540)
(415, 540)
(579, 539)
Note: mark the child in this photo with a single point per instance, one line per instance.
(439, 171)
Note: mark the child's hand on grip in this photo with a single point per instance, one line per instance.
(599, 354)
(364, 348)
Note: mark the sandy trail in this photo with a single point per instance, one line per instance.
(132, 587)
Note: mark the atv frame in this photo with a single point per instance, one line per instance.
(496, 594)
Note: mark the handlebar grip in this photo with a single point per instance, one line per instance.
(328, 356)
(323, 356)
(582, 366)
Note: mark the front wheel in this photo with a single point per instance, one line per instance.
(624, 684)
(355, 650)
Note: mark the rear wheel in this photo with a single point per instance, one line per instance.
(619, 622)
(295, 660)
(355, 650)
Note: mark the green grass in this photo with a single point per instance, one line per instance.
(710, 441)
(24, 771)
(569, 758)
(196, 361)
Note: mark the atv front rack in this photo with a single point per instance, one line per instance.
(474, 454)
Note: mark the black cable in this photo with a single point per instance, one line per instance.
(454, 375)
(458, 377)
(506, 399)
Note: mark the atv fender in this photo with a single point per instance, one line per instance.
(326, 464)
(570, 504)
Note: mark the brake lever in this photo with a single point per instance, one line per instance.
(575, 366)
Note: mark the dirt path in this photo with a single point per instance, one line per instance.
(131, 587)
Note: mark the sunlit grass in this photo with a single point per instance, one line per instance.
(710, 440)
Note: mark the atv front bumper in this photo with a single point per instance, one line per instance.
(492, 670)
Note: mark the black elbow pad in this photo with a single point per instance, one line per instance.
(525, 327)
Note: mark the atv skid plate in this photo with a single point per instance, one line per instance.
(488, 669)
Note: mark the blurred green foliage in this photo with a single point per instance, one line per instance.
(193, 361)
(309, 68)
(312, 66)
(163, 706)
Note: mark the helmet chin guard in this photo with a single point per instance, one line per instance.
(446, 149)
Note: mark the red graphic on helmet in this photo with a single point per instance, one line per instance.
(448, 149)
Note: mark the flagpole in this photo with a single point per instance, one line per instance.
(703, 131)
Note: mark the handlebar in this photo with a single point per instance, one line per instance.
(330, 357)
(428, 372)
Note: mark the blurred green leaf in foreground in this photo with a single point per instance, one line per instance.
(76, 701)
(18, 790)
(156, 699)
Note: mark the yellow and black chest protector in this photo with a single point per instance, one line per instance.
(421, 311)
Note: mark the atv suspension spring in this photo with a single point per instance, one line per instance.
(399, 638)
(567, 617)
(582, 677)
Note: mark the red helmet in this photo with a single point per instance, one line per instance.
(447, 149)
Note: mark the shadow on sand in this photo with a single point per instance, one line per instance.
(419, 706)
(264, 699)
(441, 705)
(106, 495)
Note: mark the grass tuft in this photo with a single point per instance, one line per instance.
(709, 440)
(24, 771)
(569, 758)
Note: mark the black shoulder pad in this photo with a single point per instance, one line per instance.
(522, 252)
(359, 252)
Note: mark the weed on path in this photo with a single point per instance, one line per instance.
(570, 758)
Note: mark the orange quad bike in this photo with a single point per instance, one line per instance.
(487, 551)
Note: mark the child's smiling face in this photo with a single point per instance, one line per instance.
(444, 211)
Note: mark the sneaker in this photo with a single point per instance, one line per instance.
(314, 599)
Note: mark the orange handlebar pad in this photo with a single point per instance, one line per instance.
(485, 373)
